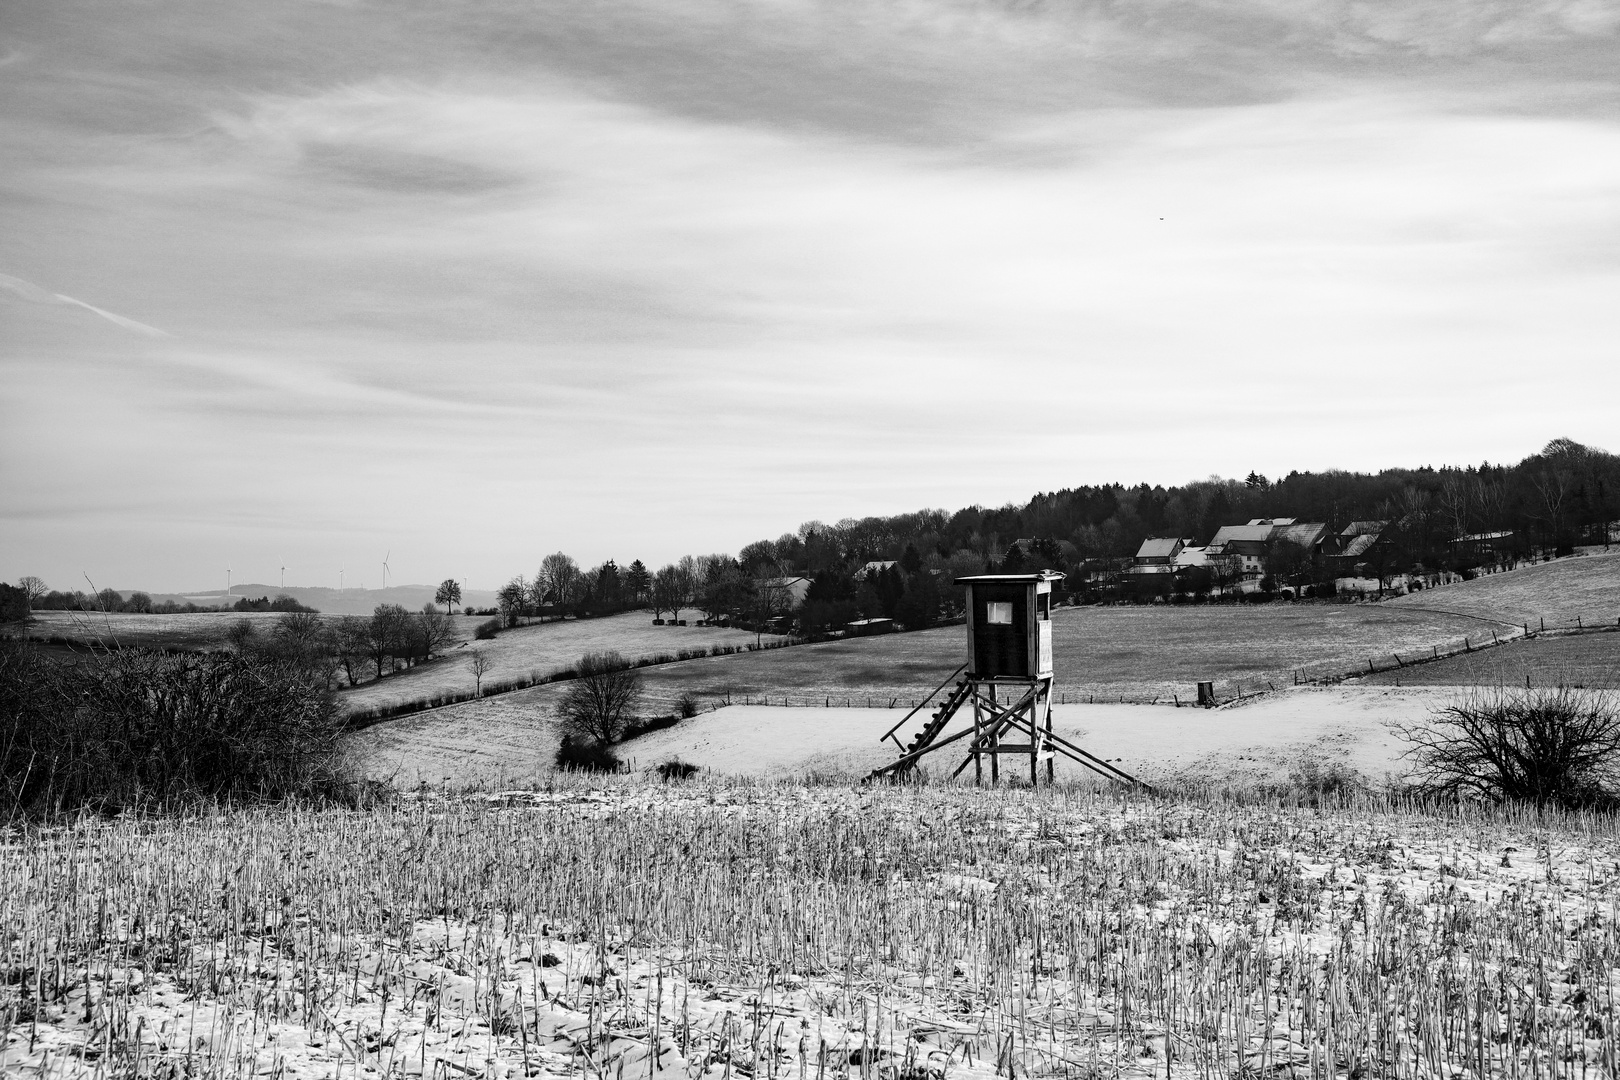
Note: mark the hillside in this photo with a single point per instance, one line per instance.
(1587, 586)
(1138, 653)
(1590, 660)
(539, 649)
(1106, 653)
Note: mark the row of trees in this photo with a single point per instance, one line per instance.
(1566, 494)
(40, 597)
(351, 648)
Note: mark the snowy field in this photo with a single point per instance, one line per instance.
(711, 931)
(507, 740)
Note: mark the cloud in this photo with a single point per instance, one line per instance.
(653, 277)
(34, 293)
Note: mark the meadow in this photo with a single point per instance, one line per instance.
(195, 631)
(537, 650)
(1589, 659)
(1106, 653)
(1585, 587)
(629, 929)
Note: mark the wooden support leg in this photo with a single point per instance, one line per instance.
(995, 743)
(1034, 744)
(1052, 758)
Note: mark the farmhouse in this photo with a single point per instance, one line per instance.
(1245, 548)
(793, 590)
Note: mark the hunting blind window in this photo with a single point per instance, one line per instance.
(999, 611)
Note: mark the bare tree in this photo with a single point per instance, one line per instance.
(513, 599)
(559, 577)
(768, 597)
(669, 591)
(448, 594)
(1554, 745)
(478, 663)
(34, 588)
(352, 645)
(389, 635)
(602, 699)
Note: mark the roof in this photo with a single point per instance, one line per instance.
(1363, 528)
(1191, 556)
(1228, 533)
(1474, 538)
(1160, 547)
(1012, 579)
(1271, 521)
(1358, 545)
(1150, 568)
(1305, 534)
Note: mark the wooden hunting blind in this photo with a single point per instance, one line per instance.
(1005, 686)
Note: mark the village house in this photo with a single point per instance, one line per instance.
(793, 590)
(1244, 549)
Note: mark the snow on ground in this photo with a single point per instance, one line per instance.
(1452, 905)
(1345, 726)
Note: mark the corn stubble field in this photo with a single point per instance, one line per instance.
(723, 930)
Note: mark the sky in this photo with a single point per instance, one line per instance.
(313, 283)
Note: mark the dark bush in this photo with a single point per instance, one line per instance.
(487, 629)
(677, 770)
(586, 755)
(13, 603)
(135, 726)
(642, 725)
(687, 706)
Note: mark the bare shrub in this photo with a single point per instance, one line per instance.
(601, 698)
(136, 726)
(1545, 746)
(688, 706)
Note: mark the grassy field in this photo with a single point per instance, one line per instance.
(199, 630)
(1138, 653)
(632, 930)
(542, 648)
(1100, 653)
(1591, 660)
(1587, 586)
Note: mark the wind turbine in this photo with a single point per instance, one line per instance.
(385, 567)
(283, 577)
(340, 579)
(227, 580)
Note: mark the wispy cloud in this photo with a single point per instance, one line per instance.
(18, 287)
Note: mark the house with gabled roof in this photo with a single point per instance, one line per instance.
(1244, 548)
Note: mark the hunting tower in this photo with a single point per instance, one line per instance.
(1005, 686)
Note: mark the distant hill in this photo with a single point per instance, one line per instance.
(334, 601)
